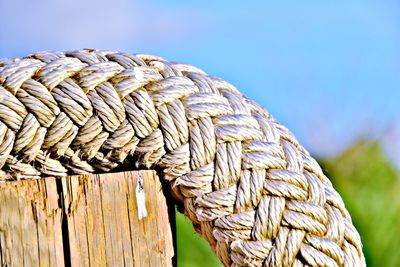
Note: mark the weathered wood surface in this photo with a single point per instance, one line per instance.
(86, 220)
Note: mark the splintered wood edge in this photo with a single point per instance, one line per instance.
(86, 220)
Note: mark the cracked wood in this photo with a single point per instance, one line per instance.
(85, 220)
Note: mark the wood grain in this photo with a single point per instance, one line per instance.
(85, 220)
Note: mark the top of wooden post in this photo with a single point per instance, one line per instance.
(85, 220)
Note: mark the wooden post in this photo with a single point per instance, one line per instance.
(85, 220)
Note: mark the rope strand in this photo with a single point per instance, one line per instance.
(249, 187)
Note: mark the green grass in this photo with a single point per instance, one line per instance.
(193, 250)
(370, 187)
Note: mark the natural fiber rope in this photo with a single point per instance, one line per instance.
(248, 186)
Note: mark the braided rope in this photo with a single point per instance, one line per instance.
(248, 186)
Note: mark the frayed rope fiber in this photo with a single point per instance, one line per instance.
(251, 190)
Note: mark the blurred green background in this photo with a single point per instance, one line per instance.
(370, 187)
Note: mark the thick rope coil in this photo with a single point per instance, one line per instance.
(248, 186)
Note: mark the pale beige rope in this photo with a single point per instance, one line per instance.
(248, 186)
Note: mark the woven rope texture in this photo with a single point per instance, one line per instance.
(248, 186)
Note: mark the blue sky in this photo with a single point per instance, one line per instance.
(329, 70)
